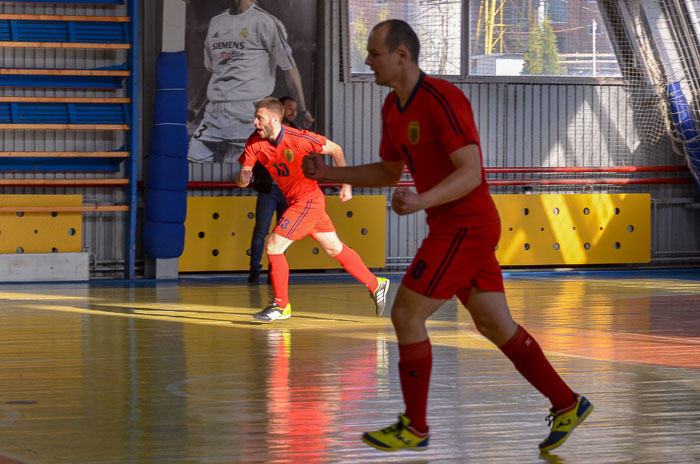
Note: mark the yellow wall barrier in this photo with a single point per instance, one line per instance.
(41, 232)
(560, 229)
(219, 229)
(556, 229)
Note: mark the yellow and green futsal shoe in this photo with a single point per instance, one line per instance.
(397, 437)
(564, 422)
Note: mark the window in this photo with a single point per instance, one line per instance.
(556, 11)
(538, 38)
(438, 24)
(506, 37)
(561, 44)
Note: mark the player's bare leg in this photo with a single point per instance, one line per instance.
(491, 315)
(492, 318)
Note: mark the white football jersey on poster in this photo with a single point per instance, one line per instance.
(242, 52)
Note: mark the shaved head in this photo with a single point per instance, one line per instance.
(400, 33)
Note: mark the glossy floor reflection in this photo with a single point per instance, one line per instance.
(181, 373)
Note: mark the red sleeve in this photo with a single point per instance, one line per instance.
(310, 141)
(249, 155)
(456, 122)
(387, 151)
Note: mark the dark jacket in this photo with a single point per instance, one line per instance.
(262, 180)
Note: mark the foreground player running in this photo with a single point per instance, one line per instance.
(428, 126)
(281, 150)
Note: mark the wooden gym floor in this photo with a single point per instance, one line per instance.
(179, 372)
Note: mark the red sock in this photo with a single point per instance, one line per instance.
(279, 275)
(527, 356)
(415, 364)
(352, 263)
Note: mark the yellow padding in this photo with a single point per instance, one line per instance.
(219, 230)
(41, 232)
(574, 229)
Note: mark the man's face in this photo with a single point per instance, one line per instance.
(290, 111)
(384, 63)
(264, 123)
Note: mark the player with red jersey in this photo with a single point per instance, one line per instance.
(281, 150)
(428, 126)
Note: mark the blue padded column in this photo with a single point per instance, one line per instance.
(166, 188)
(685, 125)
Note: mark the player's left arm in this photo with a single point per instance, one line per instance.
(293, 79)
(459, 183)
(336, 152)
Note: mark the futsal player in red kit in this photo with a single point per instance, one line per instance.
(428, 126)
(281, 150)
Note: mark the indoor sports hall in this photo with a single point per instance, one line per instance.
(129, 285)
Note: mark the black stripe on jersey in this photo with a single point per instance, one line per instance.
(297, 133)
(301, 217)
(451, 116)
(408, 154)
(277, 23)
(446, 260)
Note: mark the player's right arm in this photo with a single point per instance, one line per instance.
(244, 176)
(247, 160)
(385, 173)
(199, 96)
(293, 79)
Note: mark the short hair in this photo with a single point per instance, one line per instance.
(400, 33)
(285, 99)
(271, 104)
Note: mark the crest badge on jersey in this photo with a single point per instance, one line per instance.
(244, 32)
(289, 155)
(413, 132)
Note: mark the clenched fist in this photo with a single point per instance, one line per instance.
(406, 201)
(314, 166)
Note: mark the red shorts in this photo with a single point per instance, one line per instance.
(451, 261)
(306, 216)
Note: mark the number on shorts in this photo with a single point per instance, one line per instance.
(201, 130)
(284, 223)
(417, 271)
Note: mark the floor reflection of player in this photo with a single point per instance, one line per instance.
(305, 401)
(243, 47)
(297, 408)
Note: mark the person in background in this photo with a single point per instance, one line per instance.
(290, 111)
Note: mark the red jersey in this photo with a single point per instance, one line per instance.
(282, 159)
(436, 120)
